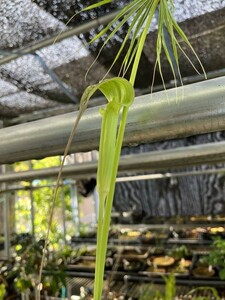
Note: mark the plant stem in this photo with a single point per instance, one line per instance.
(103, 238)
(98, 282)
(152, 9)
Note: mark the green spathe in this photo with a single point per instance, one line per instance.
(120, 95)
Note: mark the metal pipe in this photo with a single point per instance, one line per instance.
(28, 117)
(6, 225)
(6, 220)
(75, 208)
(50, 112)
(170, 175)
(59, 37)
(63, 211)
(32, 211)
(210, 153)
(128, 178)
(181, 112)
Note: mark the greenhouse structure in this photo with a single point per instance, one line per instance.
(112, 149)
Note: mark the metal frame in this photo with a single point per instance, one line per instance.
(185, 111)
(210, 153)
(124, 179)
(49, 112)
(5, 212)
(59, 37)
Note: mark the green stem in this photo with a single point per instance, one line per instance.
(152, 9)
(109, 202)
(107, 151)
(97, 282)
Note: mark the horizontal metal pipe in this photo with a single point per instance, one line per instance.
(150, 161)
(50, 112)
(120, 179)
(170, 175)
(59, 37)
(28, 117)
(181, 112)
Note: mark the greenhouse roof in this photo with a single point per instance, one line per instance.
(53, 76)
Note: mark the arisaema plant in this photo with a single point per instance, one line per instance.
(139, 14)
(120, 94)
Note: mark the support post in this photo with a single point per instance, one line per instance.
(6, 220)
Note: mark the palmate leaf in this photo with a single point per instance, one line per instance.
(166, 19)
(139, 12)
(152, 8)
(122, 17)
(120, 14)
(142, 11)
(137, 27)
(137, 18)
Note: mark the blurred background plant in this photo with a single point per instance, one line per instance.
(19, 274)
(2, 291)
(216, 256)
